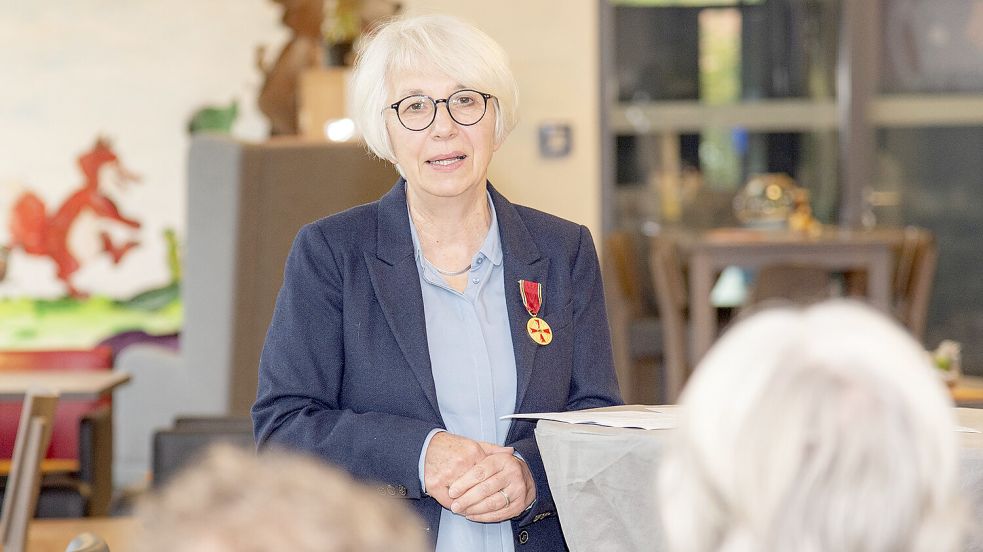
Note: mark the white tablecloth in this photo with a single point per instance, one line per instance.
(604, 483)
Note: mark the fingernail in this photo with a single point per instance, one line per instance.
(455, 507)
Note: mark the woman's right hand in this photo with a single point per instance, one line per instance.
(449, 456)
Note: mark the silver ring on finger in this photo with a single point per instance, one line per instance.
(507, 501)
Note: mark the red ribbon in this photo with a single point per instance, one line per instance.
(532, 296)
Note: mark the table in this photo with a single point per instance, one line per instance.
(836, 250)
(69, 384)
(14, 385)
(603, 481)
(53, 535)
(968, 391)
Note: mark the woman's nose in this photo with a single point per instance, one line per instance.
(444, 124)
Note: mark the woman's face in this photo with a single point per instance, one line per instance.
(445, 159)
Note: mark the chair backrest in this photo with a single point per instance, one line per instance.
(242, 424)
(24, 481)
(173, 449)
(914, 278)
(65, 430)
(794, 283)
(670, 290)
(619, 247)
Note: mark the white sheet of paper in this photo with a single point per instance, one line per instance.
(650, 418)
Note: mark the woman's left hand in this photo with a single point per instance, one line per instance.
(498, 488)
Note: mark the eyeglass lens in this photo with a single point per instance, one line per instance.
(466, 107)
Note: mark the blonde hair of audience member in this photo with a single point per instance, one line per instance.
(236, 501)
(440, 42)
(822, 429)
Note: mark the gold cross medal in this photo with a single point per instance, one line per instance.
(532, 299)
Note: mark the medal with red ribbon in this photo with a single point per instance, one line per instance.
(532, 298)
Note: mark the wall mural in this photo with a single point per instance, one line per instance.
(97, 103)
(66, 234)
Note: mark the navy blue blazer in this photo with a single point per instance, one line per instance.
(345, 371)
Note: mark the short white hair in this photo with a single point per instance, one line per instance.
(236, 501)
(453, 47)
(816, 430)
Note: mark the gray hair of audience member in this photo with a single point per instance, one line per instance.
(439, 43)
(816, 429)
(235, 501)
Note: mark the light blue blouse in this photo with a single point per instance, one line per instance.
(473, 366)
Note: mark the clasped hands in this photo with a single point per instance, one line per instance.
(481, 481)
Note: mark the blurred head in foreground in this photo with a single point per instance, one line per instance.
(235, 501)
(823, 429)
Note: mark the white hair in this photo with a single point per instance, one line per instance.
(823, 429)
(235, 501)
(453, 47)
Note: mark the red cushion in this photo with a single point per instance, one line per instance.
(65, 433)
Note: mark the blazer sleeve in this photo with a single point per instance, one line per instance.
(593, 382)
(299, 405)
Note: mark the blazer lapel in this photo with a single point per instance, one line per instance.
(396, 282)
(521, 261)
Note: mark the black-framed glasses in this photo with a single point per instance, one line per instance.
(418, 112)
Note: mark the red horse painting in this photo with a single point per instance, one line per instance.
(65, 236)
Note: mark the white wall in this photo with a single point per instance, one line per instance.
(134, 71)
(554, 51)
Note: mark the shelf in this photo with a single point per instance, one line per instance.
(693, 116)
(916, 110)
(794, 115)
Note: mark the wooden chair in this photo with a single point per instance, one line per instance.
(82, 434)
(793, 283)
(916, 260)
(914, 278)
(636, 325)
(670, 290)
(24, 481)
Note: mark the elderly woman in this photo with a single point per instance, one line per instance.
(815, 430)
(407, 328)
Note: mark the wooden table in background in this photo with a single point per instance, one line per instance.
(836, 250)
(68, 384)
(53, 535)
(968, 391)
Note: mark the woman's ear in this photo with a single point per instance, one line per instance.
(497, 140)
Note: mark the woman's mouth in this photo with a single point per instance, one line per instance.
(446, 161)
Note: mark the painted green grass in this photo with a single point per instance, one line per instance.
(81, 323)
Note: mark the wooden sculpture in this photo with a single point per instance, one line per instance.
(278, 97)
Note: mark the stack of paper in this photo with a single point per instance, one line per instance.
(647, 418)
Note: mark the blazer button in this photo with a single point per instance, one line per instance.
(402, 490)
(523, 536)
(391, 490)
